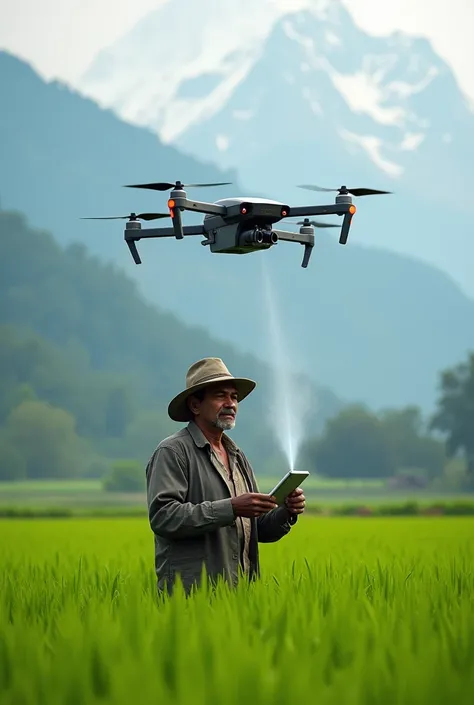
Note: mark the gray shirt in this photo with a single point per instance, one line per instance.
(192, 518)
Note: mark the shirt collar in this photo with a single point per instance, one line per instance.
(201, 441)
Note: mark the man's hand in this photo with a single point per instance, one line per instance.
(295, 502)
(252, 504)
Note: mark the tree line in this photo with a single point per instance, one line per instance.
(56, 423)
(358, 442)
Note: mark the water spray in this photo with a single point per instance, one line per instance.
(291, 401)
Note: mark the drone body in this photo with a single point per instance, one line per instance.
(240, 225)
(246, 226)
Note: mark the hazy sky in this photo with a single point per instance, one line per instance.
(60, 37)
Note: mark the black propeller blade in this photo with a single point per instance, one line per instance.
(314, 223)
(132, 216)
(344, 189)
(166, 185)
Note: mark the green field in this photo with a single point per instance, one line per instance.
(347, 612)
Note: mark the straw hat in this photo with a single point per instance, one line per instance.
(200, 375)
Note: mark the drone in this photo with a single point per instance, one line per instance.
(240, 225)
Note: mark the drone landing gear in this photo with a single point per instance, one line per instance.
(307, 229)
(346, 224)
(132, 227)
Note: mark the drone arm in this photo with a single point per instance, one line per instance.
(345, 209)
(291, 237)
(132, 235)
(334, 209)
(142, 234)
(184, 204)
(305, 239)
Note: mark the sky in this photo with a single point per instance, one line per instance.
(61, 37)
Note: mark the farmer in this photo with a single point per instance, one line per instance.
(204, 506)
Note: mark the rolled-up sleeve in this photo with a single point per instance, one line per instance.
(170, 515)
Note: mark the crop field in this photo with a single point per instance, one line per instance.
(348, 611)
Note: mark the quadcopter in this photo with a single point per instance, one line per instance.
(240, 225)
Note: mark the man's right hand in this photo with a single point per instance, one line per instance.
(252, 504)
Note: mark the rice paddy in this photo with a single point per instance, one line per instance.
(348, 611)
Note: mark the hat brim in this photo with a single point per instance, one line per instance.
(178, 409)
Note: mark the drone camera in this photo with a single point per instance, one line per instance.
(253, 237)
(259, 237)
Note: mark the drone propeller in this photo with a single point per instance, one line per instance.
(345, 190)
(132, 216)
(315, 223)
(166, 185)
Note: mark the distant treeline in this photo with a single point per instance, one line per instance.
(427, 509)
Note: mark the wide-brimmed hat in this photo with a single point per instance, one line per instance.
(201, 374)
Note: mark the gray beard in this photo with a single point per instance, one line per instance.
(225, 425)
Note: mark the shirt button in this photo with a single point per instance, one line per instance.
(235, 556)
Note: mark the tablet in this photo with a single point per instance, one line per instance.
(287, 484)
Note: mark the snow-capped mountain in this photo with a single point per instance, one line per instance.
(307, 97)
(148, 75)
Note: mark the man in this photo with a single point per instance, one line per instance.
(203, 501)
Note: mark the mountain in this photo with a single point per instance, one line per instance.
(368, 324)
(309, 98)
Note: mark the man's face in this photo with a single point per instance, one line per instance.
(219, 406)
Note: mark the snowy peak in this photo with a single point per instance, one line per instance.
(174, 66)
(166, 75)
(396, 93)
(382, 101)
(173, 80)
(373, 92)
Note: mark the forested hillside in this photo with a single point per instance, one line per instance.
(75, 334)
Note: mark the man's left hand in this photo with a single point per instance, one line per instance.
(295, 502)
